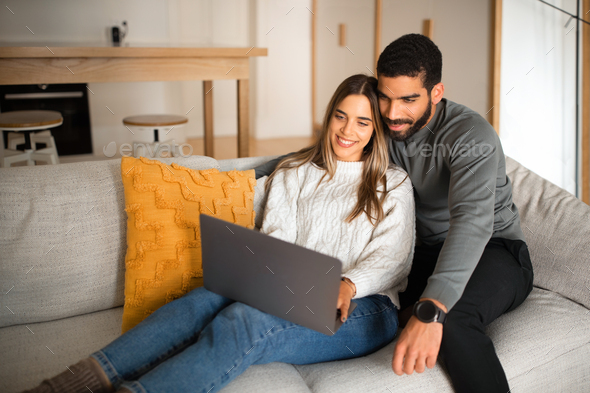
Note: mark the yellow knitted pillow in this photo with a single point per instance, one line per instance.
(163, 204)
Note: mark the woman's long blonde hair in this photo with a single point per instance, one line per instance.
(375, 155)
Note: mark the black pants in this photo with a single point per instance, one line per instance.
(501, 281)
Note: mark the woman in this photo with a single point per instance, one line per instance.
(338, 197)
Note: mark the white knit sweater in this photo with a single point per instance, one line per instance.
(376, 259)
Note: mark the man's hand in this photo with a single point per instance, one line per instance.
(418, 345)
(344, 298)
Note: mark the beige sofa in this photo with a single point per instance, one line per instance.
(62, 250)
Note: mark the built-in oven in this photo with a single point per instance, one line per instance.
(71, 100)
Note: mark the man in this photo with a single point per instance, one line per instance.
(471, 263)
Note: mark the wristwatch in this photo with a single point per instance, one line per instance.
(426, 311)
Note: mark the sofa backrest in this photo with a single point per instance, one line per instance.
(63, 235)
(241, 164)
(557, 228)
(63, 238)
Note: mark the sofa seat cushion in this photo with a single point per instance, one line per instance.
(48, 347)
(268, 378)
(543, 346)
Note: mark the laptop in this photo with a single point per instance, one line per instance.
(274, 276)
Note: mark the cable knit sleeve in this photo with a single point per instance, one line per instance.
(387, 259)
(280, 212)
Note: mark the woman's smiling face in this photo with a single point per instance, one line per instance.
(351, 127)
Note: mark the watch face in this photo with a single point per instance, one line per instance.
(426, 311)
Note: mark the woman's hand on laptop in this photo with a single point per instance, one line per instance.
(344, 298)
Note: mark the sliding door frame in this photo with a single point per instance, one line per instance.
(494, 114)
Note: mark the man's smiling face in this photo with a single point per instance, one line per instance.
(405, 104)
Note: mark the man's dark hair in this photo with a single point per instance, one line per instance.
(412, 55)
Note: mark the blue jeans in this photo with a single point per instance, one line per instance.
(202, 341)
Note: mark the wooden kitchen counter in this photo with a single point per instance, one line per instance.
(68, 63)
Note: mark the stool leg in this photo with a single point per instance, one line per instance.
(136, 151)
(30, 162)
(2, 149)
(15, 139)
(44, 137)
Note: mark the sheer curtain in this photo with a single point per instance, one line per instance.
(537, 93)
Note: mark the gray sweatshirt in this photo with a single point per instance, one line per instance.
(462, 194)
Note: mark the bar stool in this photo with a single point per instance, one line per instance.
(15, 139)
(29, 122)
(157, 123)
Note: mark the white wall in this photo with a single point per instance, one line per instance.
(82, 21)
(280, 91)
(462, 32)
(334, 62)
(209, 23)
(537, 112)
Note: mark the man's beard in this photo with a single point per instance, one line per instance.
(417, 126)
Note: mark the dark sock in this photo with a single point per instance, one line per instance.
(82, 376)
